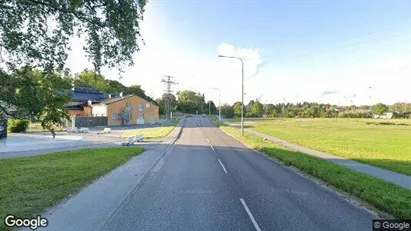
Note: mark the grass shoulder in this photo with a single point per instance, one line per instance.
(382, 195)
(153, 133)
(382, 143)
(30, 185)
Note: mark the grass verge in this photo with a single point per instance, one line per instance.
(382, 195)
(381, 143)
(154, 133)
(151, 133)
(30, 185)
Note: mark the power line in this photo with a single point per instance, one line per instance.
(167, 80)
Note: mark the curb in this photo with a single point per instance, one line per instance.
(180, 127)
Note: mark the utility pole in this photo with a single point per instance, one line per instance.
(167, 80)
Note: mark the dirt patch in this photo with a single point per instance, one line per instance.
(387, 123)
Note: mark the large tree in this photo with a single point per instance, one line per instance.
(37, 32)
(88, 78)
(191, 102)
(227, 111)
(28, 93)
(379, 108)
(249, 106)
(237, 109)
(211, 107)
(257, 109)
(269, 109)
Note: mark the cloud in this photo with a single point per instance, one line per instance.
(252, 58)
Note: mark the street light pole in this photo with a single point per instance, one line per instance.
(242, 89)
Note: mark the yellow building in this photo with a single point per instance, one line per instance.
(126, 110)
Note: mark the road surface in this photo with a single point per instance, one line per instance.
(210, 181)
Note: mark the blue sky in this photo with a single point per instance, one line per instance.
(295, 50)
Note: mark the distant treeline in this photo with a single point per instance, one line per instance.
(314, 110)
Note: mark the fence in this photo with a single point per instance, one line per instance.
(88, 121)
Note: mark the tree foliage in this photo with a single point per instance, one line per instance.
(191, 102)
(37, 32)
(237, 109)
(227, 111)
(379, 108)
(400, 107)
(28, 93)
(257, 109)
(88, 78)
(211, 107)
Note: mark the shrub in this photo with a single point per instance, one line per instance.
(227, 111)
(356, 114)
(17, 125)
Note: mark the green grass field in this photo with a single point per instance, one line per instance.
(36, 127)
(385, 146)
(30, 185)
(378, 193)
(151, 133)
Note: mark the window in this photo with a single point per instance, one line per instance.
(128, 104)
(140, 107)
(148, 105)
(140, 116)
(115, 116)
(127, 116)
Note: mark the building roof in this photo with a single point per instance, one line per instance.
(116, 99)
(82, 94)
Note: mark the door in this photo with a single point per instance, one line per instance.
(140, 119)
(152, 120)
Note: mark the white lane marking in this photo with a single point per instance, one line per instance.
(212, 148)
(221, 163)
(250, 215)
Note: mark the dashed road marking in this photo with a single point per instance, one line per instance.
(250, 215)
(221, 163)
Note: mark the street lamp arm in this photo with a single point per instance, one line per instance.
(231, 57)
(242, 89)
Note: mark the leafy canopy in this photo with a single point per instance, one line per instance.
(37, 32)
(91, 79)
(28, 93)
(379, 108)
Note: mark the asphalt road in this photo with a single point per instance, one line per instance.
(210, 181)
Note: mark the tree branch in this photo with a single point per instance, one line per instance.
(4, 110)
(77, 14)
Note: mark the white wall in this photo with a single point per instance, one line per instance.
(99, 110)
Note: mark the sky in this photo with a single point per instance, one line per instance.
(330, 51)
